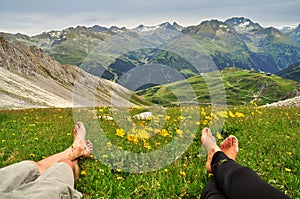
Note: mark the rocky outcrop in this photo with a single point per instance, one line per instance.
(294, 102)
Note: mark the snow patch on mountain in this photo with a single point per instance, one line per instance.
(245, 24)
(142, 28)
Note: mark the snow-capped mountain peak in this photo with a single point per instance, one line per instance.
(143, 28)
(242, 24)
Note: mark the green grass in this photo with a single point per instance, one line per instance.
(268, 138)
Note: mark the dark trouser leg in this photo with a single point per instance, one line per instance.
(212, 191)
(241, 182)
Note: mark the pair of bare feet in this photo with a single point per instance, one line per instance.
(83, 148)
(229, 146)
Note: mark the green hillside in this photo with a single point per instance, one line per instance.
(242, 87)
(292, 72)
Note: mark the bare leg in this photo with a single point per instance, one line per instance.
(230, 147)
(210, 144)
(79, 148)
(76, 169)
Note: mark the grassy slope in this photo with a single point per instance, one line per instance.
(292, 72)
(242, 87)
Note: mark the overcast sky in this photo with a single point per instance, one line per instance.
(36, 16)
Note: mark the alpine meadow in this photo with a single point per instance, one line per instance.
(52, 80)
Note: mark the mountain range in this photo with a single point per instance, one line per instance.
(236, 42)
(31, 78)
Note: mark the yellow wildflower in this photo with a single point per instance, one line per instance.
(231, 114)
(105, 156)
(207, 117)
(83, 172)
(259, 112)
(253, 103)
(223, 114)
(120, 132)
(215, 116)
(219, 136)
(164, 133)
(179, 132)
(132, 138)
(118, 170)
(182, 173)
(205, 122)
(238, 114)
(287, 170)
(147, 145)
(203, 111)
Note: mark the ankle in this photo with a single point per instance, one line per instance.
(214, 149)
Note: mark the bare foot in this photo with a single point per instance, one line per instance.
(89, 147)
(230, 147)
(209, 142)
(84, 147)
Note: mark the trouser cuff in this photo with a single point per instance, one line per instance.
(218, 159)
